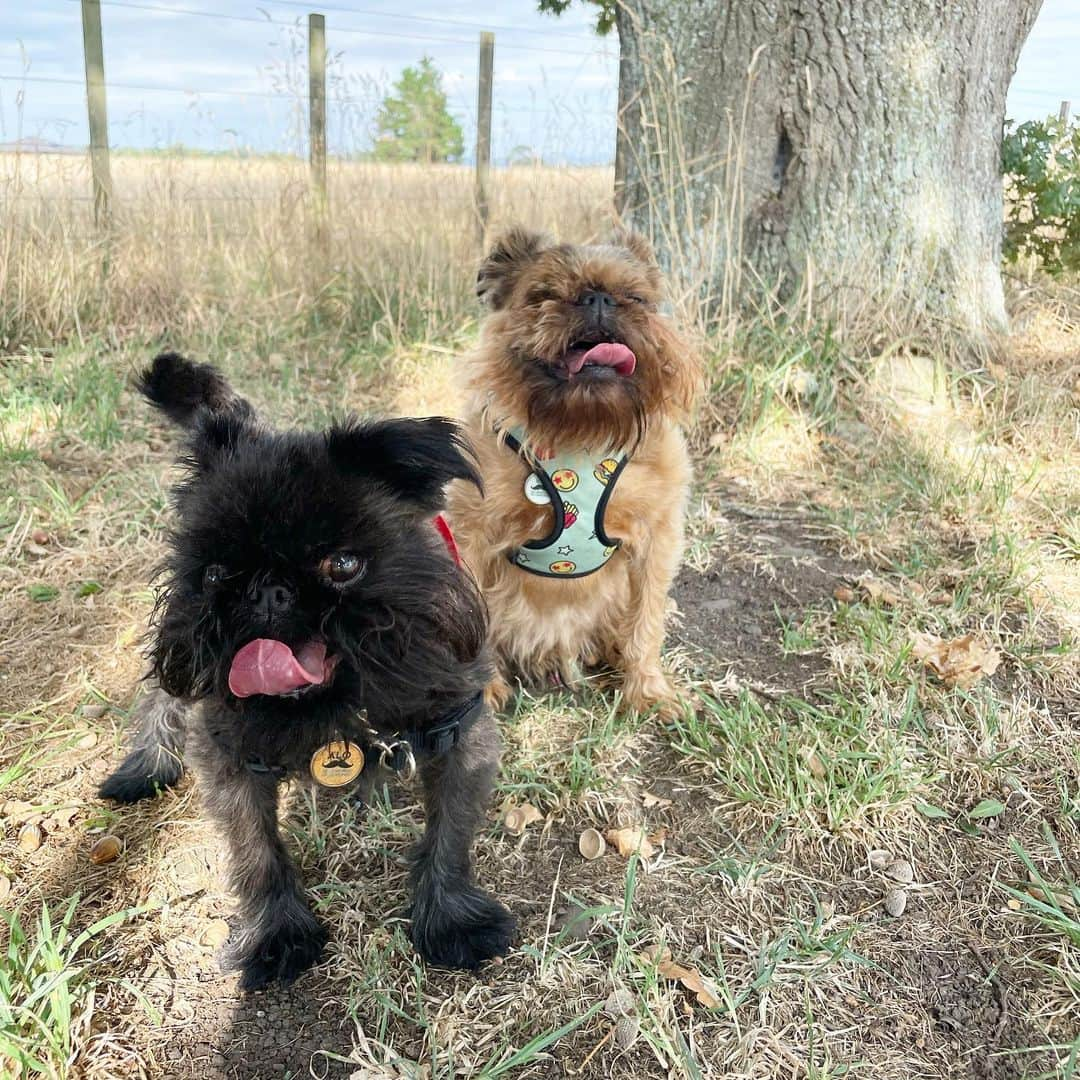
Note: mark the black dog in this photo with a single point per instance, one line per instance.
(313, 620)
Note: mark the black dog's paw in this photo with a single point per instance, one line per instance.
(462, 930)
(281, 953)
(140, 776)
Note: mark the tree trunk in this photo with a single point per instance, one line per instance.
(844, 153)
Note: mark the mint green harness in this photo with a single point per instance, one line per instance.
(577, 487)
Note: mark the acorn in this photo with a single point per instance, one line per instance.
(591, 845)
(30, 837)
(895, 901)
(105, 850)
(900, 870)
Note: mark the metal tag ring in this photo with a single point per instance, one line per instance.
(388, 751)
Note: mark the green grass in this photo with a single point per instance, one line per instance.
(47, 988)
(816, 766)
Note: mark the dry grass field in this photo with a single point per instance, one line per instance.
(854, 511)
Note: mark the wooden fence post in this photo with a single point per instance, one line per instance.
(1063, 112)
(483, 130)
(94, 56)
(317, 124)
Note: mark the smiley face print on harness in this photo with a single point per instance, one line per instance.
(577, 486)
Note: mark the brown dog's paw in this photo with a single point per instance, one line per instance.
(497, 694)
(652, 693)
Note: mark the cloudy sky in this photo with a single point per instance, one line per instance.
(220, 73)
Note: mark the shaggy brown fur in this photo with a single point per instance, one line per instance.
(544, 628)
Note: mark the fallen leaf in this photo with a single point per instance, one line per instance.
(649, 800)
(630, 841)
(518, 818)
(659, 837)
(960, 662)
(690, 977)
(843, 595)
(62, 818)
(878, 590)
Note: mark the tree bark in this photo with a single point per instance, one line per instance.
(845, 155)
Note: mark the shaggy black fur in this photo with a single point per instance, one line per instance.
(259, 513)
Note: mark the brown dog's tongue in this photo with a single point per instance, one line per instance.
(610, 354)
(265, 666)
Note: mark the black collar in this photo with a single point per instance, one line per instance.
(431, 740)
(448, 730)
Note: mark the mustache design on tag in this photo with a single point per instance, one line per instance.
(337, 764)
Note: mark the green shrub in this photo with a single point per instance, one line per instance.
(1041, 162)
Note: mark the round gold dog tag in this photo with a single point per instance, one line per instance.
(337, 763)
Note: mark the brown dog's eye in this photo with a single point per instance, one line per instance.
(636, 299)
(213, 576)
(342, 568)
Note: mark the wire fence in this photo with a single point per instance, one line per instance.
(554, 101)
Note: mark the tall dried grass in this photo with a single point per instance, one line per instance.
(223, 245)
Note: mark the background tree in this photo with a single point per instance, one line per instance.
(848, 154)
(413, 122)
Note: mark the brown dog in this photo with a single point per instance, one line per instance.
(574, 396)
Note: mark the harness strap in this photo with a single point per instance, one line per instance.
(577, 487)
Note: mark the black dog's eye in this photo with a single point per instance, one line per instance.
(342, 568)
(213, 576)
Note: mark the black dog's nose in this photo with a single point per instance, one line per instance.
(596, 302)
(270, 600)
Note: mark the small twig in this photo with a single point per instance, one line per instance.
(1000, 991)
(595, 1050)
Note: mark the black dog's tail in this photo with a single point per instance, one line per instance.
(180, 388)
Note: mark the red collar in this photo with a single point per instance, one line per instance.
(442, 526)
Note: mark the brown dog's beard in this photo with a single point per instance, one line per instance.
(591, 415)
(588, 413)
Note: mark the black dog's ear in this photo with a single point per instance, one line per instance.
(180, 388)
(511, 253)
(218, 434)
(416, 459)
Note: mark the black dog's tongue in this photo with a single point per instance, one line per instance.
(266, 666)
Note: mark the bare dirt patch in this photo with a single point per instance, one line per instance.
(766, 571)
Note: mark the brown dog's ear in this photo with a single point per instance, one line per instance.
(511, 253)
(637, 245)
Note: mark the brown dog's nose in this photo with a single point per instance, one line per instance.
(595, 301)
(598, 308)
